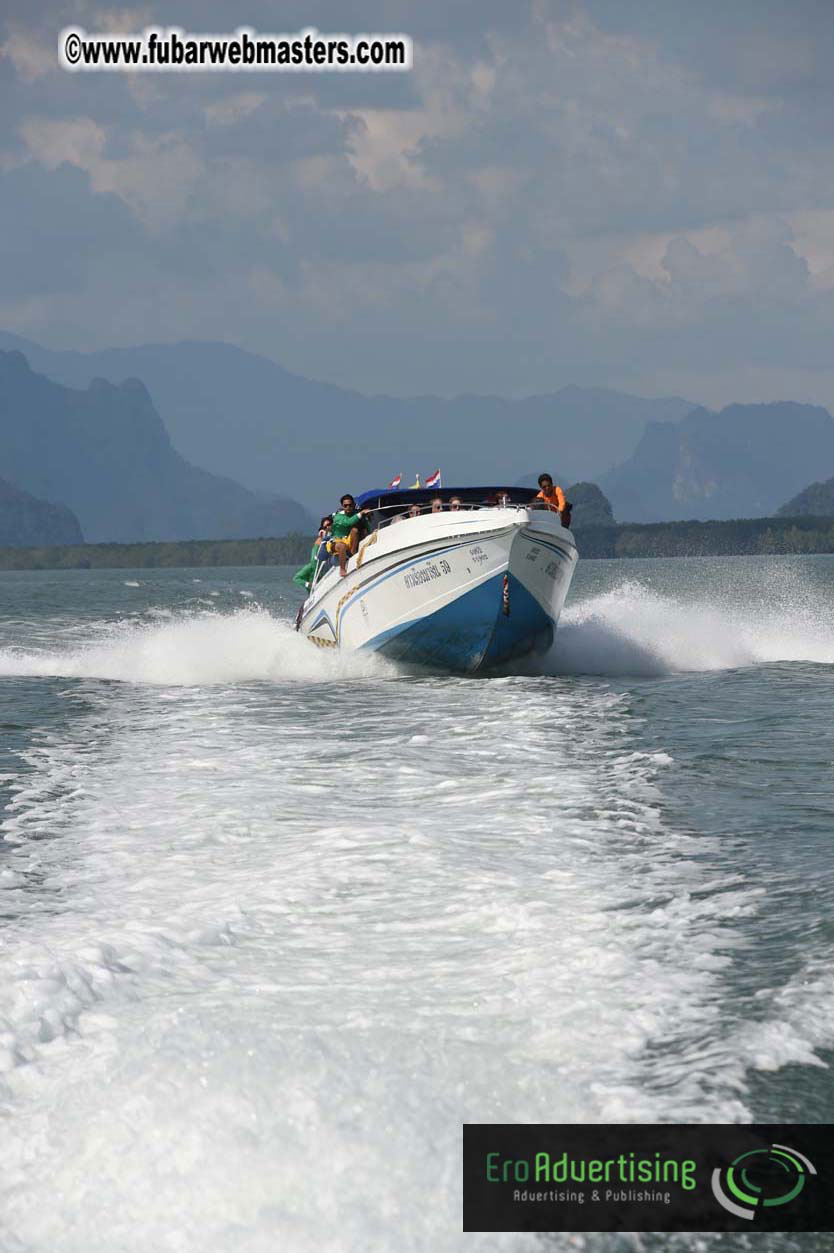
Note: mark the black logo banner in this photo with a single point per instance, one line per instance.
(640, 1177)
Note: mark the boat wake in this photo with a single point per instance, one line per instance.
(630, 630)
(192, 649)
(633, 630)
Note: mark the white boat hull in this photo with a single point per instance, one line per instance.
(457, 591)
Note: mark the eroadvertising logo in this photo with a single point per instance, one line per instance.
(641, 1177)
(761, 1177)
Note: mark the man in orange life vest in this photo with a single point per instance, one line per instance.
(551, 494)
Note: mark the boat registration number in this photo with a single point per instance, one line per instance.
(425, 574)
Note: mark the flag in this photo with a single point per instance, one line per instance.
(433, 480)
(417, 484)
(396, 482)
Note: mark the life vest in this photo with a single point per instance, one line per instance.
(555, 500)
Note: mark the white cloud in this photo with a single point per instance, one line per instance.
(31, 57)
(155, 179)
(570, 192)
(231, 109)
(79, 141)
(121, 20)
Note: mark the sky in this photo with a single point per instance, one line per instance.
(631, 193)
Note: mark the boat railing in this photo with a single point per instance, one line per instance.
(399, 512)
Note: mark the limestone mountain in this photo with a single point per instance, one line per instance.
(817, 499)
(739, 463)
(104, 452)
(591, 507)
(234, 412)
(26, 521)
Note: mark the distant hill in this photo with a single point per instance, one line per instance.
(237, 413)
(818, 499)
(26, 521)
(591, 507)
(104, 452)
(739, 463)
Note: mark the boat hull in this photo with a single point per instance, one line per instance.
(456, 593)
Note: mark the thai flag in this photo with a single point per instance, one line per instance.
(433, 480)
(396, 482)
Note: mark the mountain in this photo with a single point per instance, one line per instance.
(27, 522)
(233, 412)
(591, 507)
(817, 499)
(739, 463)
(106, 454)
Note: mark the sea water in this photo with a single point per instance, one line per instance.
(274, 923)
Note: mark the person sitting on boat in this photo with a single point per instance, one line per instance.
(454, 504)
(414, 511)
(551, 493)
(347, 524)
(325, 531)
(437, 505)
(304, 576)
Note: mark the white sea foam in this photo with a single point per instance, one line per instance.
(192, 648)
(797, 1019)
(633, 629)
(268, 944)
(264, 958)
(628, 630)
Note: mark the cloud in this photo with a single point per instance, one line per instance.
(234, 108)
(558, 191)
(43, 254)
(31, 58)
(76, 141)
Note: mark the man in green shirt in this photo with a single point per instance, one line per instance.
(345, 532)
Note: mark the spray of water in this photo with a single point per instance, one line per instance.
(193, 649)
(631, 629)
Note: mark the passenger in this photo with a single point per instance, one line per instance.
(345, 531)
(304, 576)
(325, 529)
(551, 494)
(454, 504)
(503, 498)
(414, 511)
(437, 505)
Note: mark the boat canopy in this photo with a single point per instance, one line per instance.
(388, 496)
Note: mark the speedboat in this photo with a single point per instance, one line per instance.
(475, 583)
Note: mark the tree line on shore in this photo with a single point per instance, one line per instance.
(733, 538)
(739, 537)
(166, 554)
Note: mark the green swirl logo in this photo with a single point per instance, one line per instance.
(761, 1177)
